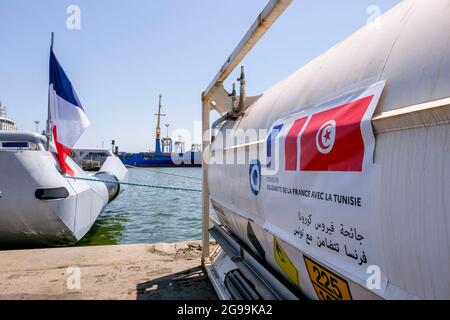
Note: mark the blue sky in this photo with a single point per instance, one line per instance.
(127, 52)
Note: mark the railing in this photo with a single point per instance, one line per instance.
(263, 22)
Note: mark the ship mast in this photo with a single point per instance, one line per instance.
(158, 127)
(49, 120)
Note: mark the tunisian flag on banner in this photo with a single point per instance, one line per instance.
(333, 140)
(67, 115)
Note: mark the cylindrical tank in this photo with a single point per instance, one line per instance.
(409, 49)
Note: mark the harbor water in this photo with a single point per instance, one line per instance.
(152, 215)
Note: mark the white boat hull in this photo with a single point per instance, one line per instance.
(27, 220)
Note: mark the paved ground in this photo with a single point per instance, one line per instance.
(161, 271)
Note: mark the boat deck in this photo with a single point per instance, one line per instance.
(119, 272)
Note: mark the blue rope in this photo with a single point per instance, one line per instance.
(167, 173)
(133, 184)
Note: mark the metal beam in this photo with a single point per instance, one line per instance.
(205, 192)
(264, 21)
(264, 281)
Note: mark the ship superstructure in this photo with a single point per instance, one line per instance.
(6, 124)
(167, 153)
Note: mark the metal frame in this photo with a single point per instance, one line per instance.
(266, 284)
(263, 22)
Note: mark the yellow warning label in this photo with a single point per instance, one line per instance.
(283, 261)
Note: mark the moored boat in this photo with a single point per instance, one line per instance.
(45, 196)
(164, 155)
(39, 205)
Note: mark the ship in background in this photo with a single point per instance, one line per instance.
(166, 154)
(6, 124)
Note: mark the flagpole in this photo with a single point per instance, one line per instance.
(49, 133)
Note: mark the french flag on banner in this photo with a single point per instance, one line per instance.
(67, 115)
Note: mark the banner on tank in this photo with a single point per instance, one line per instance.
(319, 189)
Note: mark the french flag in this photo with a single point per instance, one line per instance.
(68, 119)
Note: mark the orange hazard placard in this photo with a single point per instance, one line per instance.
(328, 285)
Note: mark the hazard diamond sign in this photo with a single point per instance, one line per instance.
(285, 264)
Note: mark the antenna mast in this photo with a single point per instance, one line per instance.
(158, 124)
(49, 121)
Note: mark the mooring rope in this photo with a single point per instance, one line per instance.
(133, 184)
(167, 173)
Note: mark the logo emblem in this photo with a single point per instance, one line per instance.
(255, 177)
(326, 135)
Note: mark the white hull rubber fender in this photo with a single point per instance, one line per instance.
(38, 205)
